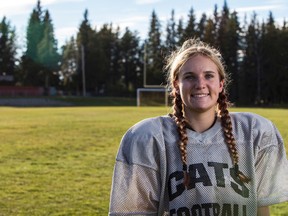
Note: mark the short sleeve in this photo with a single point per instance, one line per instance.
(134, 191)
(136, 184)
(271, 169)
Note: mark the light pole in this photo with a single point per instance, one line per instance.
(83, 70)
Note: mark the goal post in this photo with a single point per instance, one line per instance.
(152, 96)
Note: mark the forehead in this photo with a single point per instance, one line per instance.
(199, 63)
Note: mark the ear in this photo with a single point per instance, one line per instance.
(176, 84)
(221, 85)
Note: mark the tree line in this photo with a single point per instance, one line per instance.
(109, 61)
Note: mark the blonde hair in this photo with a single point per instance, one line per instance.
(175, 61)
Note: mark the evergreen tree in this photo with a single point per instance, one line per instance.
(180, 32)
(271, 63)
(222, 29)
(130, 62)
(108, 58)
(215, 28)
(171, 31)
(210, 32)
(228, 42)
(250, 77)
(190, 30)
(200, 31)
(34, 33)
(30, 65)
(283, 55)
(7, 49)
(87, 61)
(233, 50)
(68, 69)
(47, 52)
(41, 57)
(154, 58)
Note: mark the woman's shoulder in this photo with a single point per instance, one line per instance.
(149, 130)
(151, 125)
(249, 117)
(143, 143)
(252, 122)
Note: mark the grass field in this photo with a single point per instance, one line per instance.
(59, 161)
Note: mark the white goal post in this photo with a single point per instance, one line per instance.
(159, 95)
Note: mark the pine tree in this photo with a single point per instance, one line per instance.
(87, 46)
(34, 33)
(250, 77)
(210, 33)
(228, 41)
(47, 52)
(180, 32)
(154, 60)
(271, 63)
(40, 59)
(7, 49)
(171, 33)
(68, 69)
(130, 62)
(108, 57)
(283, 55)
(200, 31)
(190, 30)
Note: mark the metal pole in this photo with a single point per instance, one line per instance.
(83, 70)
(144, 68)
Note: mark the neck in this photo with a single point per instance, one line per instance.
(200, 122)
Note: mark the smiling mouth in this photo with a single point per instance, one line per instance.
(200, 95)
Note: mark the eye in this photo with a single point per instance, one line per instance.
(209, 75)
(189, 77)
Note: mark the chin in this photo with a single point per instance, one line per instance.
(201, 109)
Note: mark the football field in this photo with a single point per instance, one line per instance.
(59, 161)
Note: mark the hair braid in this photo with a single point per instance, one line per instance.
(229, 137)
(181, 126)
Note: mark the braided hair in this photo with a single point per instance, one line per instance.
(175, 61)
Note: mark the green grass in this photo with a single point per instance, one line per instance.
(59, 161)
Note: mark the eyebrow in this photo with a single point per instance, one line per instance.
(206, 72)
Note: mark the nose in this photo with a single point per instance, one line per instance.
(199, 83)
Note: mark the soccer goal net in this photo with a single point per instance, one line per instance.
(152, 97)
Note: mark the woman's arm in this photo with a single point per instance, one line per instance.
(263, 211)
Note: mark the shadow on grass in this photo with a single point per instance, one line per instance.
(66, 101)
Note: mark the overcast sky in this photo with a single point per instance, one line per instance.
(68, 14)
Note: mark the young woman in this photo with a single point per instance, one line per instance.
(200, 159)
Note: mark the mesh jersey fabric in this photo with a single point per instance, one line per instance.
(148, 173)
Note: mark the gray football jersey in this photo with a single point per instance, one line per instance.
(148, 170)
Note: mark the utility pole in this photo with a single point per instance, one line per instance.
(145, 65)
(83, 70)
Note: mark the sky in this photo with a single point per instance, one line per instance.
(67, 15)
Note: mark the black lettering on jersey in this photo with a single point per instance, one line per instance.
(183, 212)
(172, 212)
(239, 186)
(216, 209)
(210, 209)
(236, 209)
(199, 174)
(226, 211)
(219, 173)
(199, 169)
(180, 188)
(196, 210)
(207, 207)
(244, 210)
